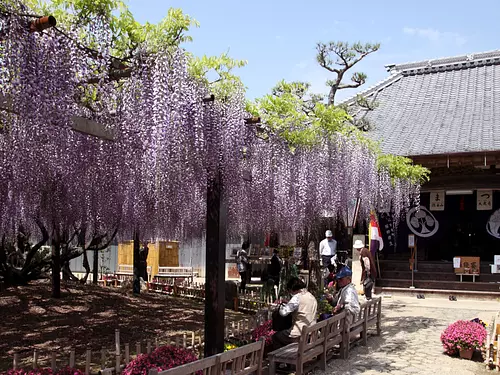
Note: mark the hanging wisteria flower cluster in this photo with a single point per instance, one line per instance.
(168, 142)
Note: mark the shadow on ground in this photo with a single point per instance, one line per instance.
(88, 315)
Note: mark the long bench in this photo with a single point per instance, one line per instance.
(317, 342)
(126, 271)
(176, 273)
(245, 360)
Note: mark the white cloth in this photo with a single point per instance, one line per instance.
(328, 248)
(242, 261)
(366, 262)
(291, 306)
(349, 300)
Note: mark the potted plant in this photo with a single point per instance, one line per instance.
(463, 337)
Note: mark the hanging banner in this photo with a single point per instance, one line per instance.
(484, 200)
(437, 200)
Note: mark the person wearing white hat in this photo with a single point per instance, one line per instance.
(368, 268)
(327, 248)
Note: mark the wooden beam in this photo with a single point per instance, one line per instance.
(80, 124)
(215, 287)
(90, 127)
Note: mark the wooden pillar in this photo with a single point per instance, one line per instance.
(215, 267)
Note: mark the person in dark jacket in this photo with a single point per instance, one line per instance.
(243, 265)
(368, 268)
(274, 268)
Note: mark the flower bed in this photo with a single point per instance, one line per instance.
(463, 335)
(264, 330)
(163, 358)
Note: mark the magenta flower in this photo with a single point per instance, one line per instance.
(463, 335)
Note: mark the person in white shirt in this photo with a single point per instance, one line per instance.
(303, 306)
(327, 248)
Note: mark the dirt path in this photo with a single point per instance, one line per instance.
(89, 315)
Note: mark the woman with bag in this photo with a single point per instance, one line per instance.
(368, 267)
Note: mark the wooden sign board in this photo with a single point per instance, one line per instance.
(469, 266)
(437, 199)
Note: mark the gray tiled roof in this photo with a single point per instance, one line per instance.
(443, 106)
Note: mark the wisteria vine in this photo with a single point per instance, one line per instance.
(168, 140)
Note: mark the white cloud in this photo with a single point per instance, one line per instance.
(436, 36)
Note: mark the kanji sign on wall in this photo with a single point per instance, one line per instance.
(484, 200)
(436, 202)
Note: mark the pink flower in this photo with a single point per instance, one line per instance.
(463, 335)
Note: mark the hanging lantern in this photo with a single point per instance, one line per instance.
(42, 23)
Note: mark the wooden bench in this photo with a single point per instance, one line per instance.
(369, 315)
(309, 350)
(336, 334)
(176, 273)
(245, 360)
(318, 341)
(126, 271)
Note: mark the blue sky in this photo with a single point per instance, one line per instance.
(278, 38)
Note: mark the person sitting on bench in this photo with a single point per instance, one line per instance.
(303, 307)
(346, 297)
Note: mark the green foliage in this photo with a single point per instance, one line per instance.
(127, 35)
(304, 120)
(401, 167)
(295, 115)
(222, 67)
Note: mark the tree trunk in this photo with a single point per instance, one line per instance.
(56, 269)
(95, 273)
(66, 272)
(137, 264)
(86, 265)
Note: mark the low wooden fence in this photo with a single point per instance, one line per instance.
(114, 360)
(249, 301)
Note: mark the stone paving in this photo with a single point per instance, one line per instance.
(410, 340)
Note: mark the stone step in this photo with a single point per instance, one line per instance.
(392, 265)
(439, 284)
(389, 292)
(437, 276)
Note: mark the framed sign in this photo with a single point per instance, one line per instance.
(411, 240)
(468, 265)
(484, 200)
(436, 202)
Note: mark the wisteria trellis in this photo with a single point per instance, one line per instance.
(153, 177)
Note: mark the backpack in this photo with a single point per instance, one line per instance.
(281, 323)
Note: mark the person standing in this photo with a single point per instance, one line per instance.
(275, 268)
(327, 249)
(368, 268)
(243, 265)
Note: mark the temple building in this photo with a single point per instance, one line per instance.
(445, 115)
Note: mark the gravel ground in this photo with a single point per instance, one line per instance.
(410, 340)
